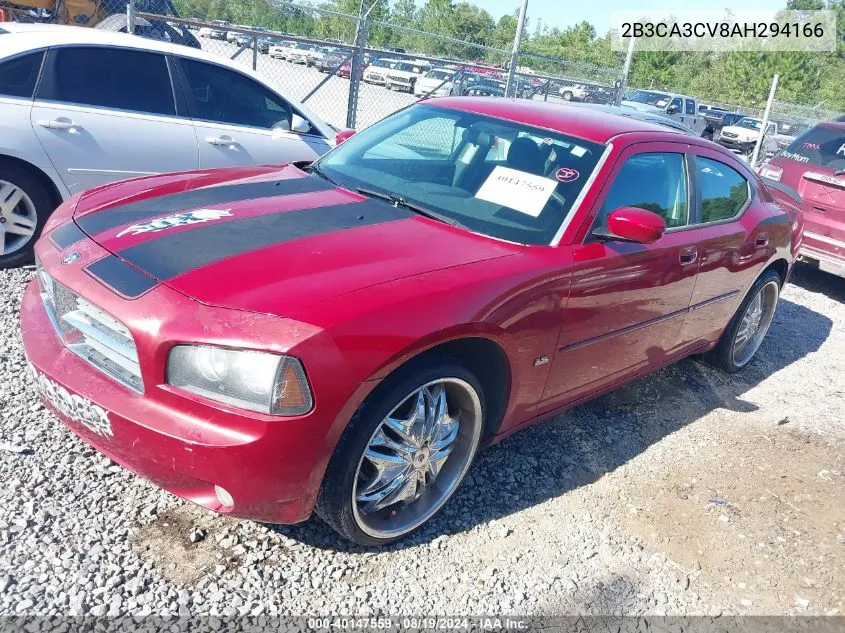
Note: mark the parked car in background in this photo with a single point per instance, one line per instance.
(741, 137)
(107, 108)
(572, 92)
(600, 94)
(287, 320)
(814, 166)
(402, 75)
(437, 82)
(232, 36)
(219, 30)
(332, 60)
(346, 70)
(300, 53)
(715, 120)
(281, 50)
(680, 107)
(376, 71)
(486, 87)
(265, 43)
(244, 39)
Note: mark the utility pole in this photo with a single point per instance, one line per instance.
(509, 86)
(768, 110)
(625, 70)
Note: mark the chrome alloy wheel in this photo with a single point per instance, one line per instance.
(18, 218)
(416, 457)
(755, 323)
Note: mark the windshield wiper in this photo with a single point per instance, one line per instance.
(399, 201)
(313, 168)
(839, 172)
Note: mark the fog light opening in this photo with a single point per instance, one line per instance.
(224, 497)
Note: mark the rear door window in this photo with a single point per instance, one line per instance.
(723, 190)
(690, 105)
(104, 77)
(822, 146)
(19, 74)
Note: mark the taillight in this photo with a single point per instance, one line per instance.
(770, 171)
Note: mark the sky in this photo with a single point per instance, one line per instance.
(563, 13)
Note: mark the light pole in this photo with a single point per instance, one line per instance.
(509, 86)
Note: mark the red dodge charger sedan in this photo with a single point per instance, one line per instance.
(343, 336)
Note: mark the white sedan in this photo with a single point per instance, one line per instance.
(83, 107)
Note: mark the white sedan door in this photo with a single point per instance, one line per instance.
(104, 114)
(239, 121)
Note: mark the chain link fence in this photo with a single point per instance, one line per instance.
(351, 82)
(351, 72)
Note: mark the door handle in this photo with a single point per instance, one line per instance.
(688, 256)
(59, 124)
(762, 241)
(226, 141)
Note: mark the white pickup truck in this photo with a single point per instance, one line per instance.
(679, 107)
(741, 137)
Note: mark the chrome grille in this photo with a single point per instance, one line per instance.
(90, 333)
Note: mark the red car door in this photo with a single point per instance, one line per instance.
(627, 301)
(732, 243)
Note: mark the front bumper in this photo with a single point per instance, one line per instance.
(270, 467)
(736, 145)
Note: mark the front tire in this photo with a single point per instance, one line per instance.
(748, 327)
(24, 208)
(404, 453)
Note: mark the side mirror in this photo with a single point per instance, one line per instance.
(631, 224)
(672, 109)
(299, 125)
(343, 135)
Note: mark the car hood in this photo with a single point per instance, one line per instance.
(268, 239)
(741, 132)
(433, 82)
(642, 107)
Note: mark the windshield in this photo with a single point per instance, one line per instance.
(495, 177)
(818, 146)
(751, 124)
(657, 99)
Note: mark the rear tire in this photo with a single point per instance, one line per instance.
(30, 213)
(745, 333)
(567, 96)
(349, 499)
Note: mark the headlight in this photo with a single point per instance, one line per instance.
(258, 381)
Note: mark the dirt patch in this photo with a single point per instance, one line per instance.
(758, 516)
(165, 541)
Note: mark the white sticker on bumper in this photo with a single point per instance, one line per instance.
(75, 407)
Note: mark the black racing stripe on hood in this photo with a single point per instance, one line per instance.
(121, 277)
(66, 235)
(174, 254)
(132, 212)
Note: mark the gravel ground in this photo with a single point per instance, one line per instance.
(688, 492)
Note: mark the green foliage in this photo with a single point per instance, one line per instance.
(576, 51)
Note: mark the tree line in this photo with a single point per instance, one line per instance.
(577, 51)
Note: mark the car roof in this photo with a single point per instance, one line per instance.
(587, 123)
(20, 38)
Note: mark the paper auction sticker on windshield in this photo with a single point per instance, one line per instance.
(517, 190)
